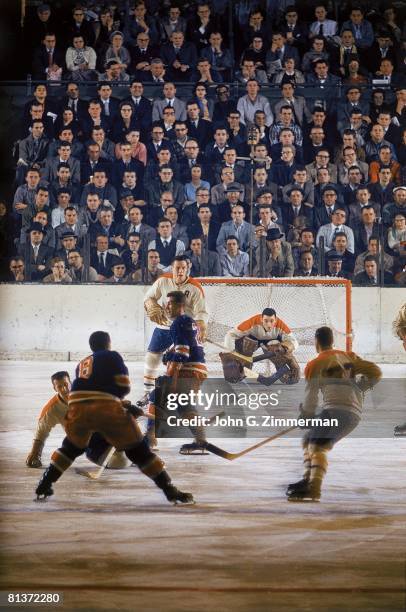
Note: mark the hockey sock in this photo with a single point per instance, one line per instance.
(63, 457)
(148, 462)
(198, 431)
(306, 461)
(152, 362)
(319, 463)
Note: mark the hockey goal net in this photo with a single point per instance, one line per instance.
(303, 303)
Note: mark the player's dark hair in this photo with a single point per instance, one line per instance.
(179, 257)
(178, 297)
(324, 336)
(99, 341)
(269, 312)
(60, 375)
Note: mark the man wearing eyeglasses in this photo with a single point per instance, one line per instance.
(337, 225)
(322, 160)
(72, 100)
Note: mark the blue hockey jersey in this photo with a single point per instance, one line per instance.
(186, 348)
(103, 372)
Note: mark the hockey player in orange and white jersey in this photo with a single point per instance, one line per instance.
(154, 303)
(333, 374)
(52, 414)
(272, 334)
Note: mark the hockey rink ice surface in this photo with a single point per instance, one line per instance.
(116, 544)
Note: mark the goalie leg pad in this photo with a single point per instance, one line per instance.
(233, 369)
(280, 359)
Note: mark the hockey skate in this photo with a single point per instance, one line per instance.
(310, 493)
(43, 491)
(400, 430)
(297, 487)
(175, 496)
(195, 448)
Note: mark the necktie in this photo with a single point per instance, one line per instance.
(165, 244)
(36, 248)
(36, 147)
(321, 28)
(50, 56)
(101, 259)
(106, 107)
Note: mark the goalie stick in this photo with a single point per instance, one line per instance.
(231, 456)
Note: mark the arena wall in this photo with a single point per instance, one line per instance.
(54, 322)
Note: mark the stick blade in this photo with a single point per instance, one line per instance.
(86, 473)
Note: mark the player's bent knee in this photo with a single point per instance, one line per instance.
(142, 456)
(63, 457)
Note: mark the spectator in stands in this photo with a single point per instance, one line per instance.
(171, 22)
(385, 160)
(306, 265)
(63, 201)
(382, 191)
(364, 227)
(296, 208)
(191, 158)
(94, 163)
(198, 128)
(166, 245)
(25, 194)
(278, 53)
(48, 60)
(36, 113)
(283, 170)
(67, 133)
(306, 244)
(285, 121)
(315, 144)
(279, 260)
(141, 22)
(224, 105)
(123, 123)
(72, 226)
(204, 74)
(220, 58)
(126, 163)
(355, 74)
(142, 55)
(322, 26)
(360, 27)
(204, 262)
(362, 199)
(340, 244)
(17, 270)
(238, 228)
(261, 182)
(324, 80)
(63, 179)
(106, 226)
(158, 212)
(166, 182)
(133, 223)
(322, 160)
(349, 191)
(234, 262)
(351, 161)
(36, 255)
(169, 99)
(398, 205)
(289, 73)
(114, 72)
(76, 268)
(375, 142)
(392, 132)
(118, 272)
(156, 74)
(318, 51)
(132, 254)
(116, 51)
(40, 203)
(164, 158)
(335, 265)
(337, 224)
(301, 180)
(257, 26)
(374, 250)
(180, 57)
(370, 275)
(237, 131)
(195, 183)
(49, 239)
(253, 101)
(80, 60)
(256, 52)
(329, 203)
(58, 272)
(387, 74)
(50, 172)
(248, 71)
(179, 231)
(214, 151)
(396, 236)
(205, 104)
(101, 257)
(153, 271)
(168, 123)
(32, 150)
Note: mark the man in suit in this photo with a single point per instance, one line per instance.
(340, 244)
(362, 199)
(48, 60)
(329, 230)
(31, 150)
(230, 161)
(93, 163)
(36, 255)
(179, 231)
(94, 119)
(204, 261)
(345, 108)
(364, 228)
(295, 31)
(325, 82)
(142, 107)
(155, 213)
(323, 213)
(109, 104)
(106, 226)
(169, 99)
(370, 275)
(191, 158)
(166, 182)
(279, 261)
(156, 74)
(166, 244)
(205, 225)
(306, 265)
(382, 48)
(296, 208)
(179, 56)
(300, 179)
(237, 227)
(297, 103)
(220, 58)
(142, 55)
(134, 224)
(101, 257)
(126, 163)
(200, 129)
(72, 100)
(50, 172)
(360, 27)
(279, 52)
(71, 225)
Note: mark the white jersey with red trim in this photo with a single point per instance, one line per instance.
(253, 328)
(195, 306)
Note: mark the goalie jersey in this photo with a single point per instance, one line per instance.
(253, 328)
(186, 348)
(103, 372)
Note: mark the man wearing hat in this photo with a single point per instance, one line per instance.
(233, 193)
(68, 241)
(296, 208)
(71, 225)
(279, 260)
(335, 265)
(36, 255)
(118, 272)
(398, 205)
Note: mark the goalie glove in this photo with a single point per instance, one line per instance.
(155, 312)
(202, 327)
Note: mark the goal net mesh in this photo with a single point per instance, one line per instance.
(303, 305)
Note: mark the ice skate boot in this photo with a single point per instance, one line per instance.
(300, 485)
(310, 493)
(400, 430)
(171, 492)
(195, 448)
(44, 488)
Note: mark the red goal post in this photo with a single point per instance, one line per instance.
(303, 303)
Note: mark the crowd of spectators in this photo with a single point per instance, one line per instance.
(110, 187)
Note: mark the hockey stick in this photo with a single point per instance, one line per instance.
(238, 355)
(231, 456)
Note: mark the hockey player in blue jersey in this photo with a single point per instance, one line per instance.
(186, 368)
(96, 404)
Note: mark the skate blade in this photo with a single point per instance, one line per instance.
(301, 500)
(41, 498)
(196, 452)
(400, 435)
(176, 502)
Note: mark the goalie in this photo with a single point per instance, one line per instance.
(278, 343)
(195, 307)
